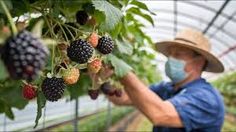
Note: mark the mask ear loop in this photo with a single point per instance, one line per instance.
(194, 59)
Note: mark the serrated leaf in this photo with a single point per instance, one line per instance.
(141, 5)
(116, 31)
(137, 11)
(121, 67)
(6, 109)
(9, 113)
(41, 101)
(12, 89)
(124, 47)
(37, 29)
(113, 14)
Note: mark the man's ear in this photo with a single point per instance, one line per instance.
(200, 62)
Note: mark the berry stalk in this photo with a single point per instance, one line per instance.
(13, 26)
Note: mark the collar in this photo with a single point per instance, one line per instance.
(189, 84)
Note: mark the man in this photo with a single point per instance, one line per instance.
(188, 102)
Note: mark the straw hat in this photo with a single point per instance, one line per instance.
(196, 41)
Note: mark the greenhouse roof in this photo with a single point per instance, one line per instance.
(216, 19)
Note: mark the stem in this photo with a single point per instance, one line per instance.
(53, 46)
(63, 32)
(70, 33)
(9, 17)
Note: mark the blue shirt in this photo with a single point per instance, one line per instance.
(199, 105)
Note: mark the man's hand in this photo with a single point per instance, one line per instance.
(123, 100)
(106, 72)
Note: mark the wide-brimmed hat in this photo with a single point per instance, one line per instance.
(195, 40)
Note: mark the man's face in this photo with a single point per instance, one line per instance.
(188, 55)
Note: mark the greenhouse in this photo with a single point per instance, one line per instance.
(118, 65)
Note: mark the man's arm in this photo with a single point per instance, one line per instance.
(159, 112)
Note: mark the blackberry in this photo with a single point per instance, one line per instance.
(93, 94)
(53, 88)
(107, 89)
(80, 51)
(82, 17)
(105, 45)
(24, 56)
(118, 92)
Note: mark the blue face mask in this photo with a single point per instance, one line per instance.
(174, 69)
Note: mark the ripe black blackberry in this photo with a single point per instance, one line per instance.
(82, 17)
(80, 51)
(53, 88)
(24, 56)
(93, 93)
(105, 45)
(107, 89)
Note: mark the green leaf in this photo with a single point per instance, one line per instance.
(9, 112)
(3, 71)
(141, 5)
(6, 109)
(41, 101)
(113, 14)
(121, 67)
(116, 31)
(124, 47)
(8, 3)
(20, 7)
(137, 11)
(11, 93)
(99, 16)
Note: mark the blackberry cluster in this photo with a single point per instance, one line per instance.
(82, 17)
(105, 45)
(53, 88)
(24, 56)
(80, 51)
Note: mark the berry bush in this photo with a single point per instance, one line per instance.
(53, 49)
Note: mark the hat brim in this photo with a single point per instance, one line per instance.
(213, 63)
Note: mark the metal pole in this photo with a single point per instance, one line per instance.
(97, 108)
(76, 115)
(175, 17)
(4, 123)
(108, 115)
(216, 16)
